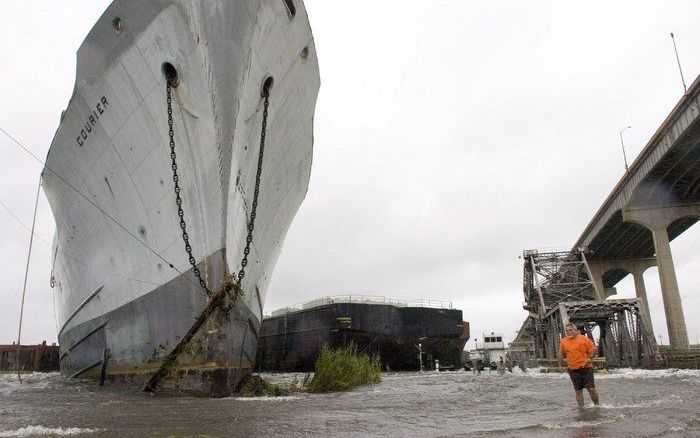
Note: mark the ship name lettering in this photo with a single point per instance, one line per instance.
(91, 121)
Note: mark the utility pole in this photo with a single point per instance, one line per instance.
(420, 356)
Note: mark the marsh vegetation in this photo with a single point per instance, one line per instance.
(344, 368)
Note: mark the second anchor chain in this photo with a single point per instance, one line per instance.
(237, 291)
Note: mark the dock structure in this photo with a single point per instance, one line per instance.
(39, 357)
(670, 358)
(558, 289)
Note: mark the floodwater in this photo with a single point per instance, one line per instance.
(634, 403)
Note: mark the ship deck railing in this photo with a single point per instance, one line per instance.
(361, 299)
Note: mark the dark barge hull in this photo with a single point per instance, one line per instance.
(293, 341)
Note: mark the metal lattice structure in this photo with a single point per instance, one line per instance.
(553, 277)
(558, 289)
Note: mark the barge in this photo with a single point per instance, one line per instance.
(404, 334)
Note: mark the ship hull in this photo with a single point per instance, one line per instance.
(123, 281)
(139, 335)
(293, 341)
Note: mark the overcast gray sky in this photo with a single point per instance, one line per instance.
(449, 137)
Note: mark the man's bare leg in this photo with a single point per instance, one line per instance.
(579, 397)
(594, 395)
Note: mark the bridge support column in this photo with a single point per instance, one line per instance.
(597, 269)
(641, 292)
(657, 221)
(636, 267)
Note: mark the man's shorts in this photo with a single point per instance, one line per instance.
(582, 378)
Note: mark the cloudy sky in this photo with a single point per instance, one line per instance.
(449, 137)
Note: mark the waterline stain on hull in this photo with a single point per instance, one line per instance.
(224, 348)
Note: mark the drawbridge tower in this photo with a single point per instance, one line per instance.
(558, 289)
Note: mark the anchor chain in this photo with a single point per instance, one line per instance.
(228, 288)
(178, 199)
(254, 206)
(256, 192)
(237, 290)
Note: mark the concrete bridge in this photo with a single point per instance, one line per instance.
(656, 200)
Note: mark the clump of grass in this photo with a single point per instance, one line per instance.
(344, 368)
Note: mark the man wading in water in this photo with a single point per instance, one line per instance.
(578, 351)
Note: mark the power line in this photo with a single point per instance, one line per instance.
(92, 203)
(42, 240)
(18, 219)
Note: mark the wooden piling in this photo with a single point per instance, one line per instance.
(103, 371)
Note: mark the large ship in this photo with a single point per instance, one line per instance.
(405, 335)
(196, 89)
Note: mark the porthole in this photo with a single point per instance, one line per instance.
(118, 24)
(291, 9)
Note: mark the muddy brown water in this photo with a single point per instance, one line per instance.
(634, 403)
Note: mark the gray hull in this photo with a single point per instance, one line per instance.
(142, 332)
(108, 178)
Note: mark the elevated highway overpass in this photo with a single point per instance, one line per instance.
(656, 200)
